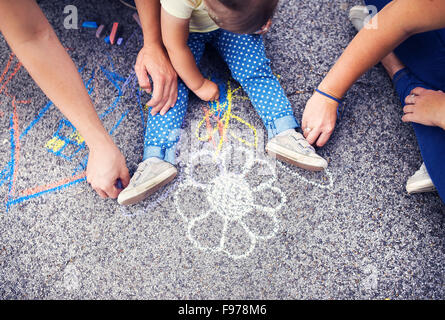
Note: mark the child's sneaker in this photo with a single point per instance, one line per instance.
(357, 16)
(292, 147)
(151, 175)
(420, 182)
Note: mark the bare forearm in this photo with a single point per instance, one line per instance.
(45, 59)
(185, 66)
(36, 45)
(396, 22)
(364, 51)
(149, 14)
(359, 57)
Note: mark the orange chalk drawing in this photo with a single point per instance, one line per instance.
(16, 145)
(223, 124)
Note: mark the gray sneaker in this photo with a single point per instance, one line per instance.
(357, 16)
(294, 149)
(151, 175)
(420, 182)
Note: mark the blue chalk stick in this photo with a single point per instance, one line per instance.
(119, 184)
(119, 41)
(107, 39)
(89, 24)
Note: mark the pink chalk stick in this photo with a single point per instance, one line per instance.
(99, 30)
(136, 17)
(113, 32)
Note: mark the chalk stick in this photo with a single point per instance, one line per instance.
(99, 30)
(136, 18)
(89, 24)
(119, 41)
(113, 32)
(107, 39)
(119, 184)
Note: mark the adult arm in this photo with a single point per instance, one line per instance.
(395, 23)
(153, 60)
(175, 32)
(36, 45)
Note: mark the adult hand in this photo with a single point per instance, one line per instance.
(426, 107)
(153, 61)
(106, 164)
(319, 119)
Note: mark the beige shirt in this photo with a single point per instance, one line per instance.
(195, 10)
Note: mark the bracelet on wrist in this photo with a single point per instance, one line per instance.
(332, 97)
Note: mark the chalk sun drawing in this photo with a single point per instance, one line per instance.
(232, 200)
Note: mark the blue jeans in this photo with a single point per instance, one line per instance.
(246, 58)
(424, 57)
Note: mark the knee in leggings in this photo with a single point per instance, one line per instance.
(244, 75)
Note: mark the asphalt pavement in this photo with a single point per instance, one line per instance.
(235, 224)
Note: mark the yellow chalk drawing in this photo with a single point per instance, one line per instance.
(55, 144)
(223, 124)
(75, 136)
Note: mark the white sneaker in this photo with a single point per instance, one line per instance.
(151, 175)
(357, 16)
(293, 148)
(420, 182)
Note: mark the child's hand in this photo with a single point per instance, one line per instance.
(426, 107)
(208, 91)
(264, 29)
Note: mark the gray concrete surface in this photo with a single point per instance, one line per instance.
(223, 229)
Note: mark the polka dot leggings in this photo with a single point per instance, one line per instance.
(246, 58)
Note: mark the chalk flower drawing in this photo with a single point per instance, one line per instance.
(232, 200)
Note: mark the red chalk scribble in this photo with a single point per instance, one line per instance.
(210, 128)
(37, 189)
(15, 125)
(208, 125)
(11, 76)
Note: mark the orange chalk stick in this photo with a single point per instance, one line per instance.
(113, 32)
